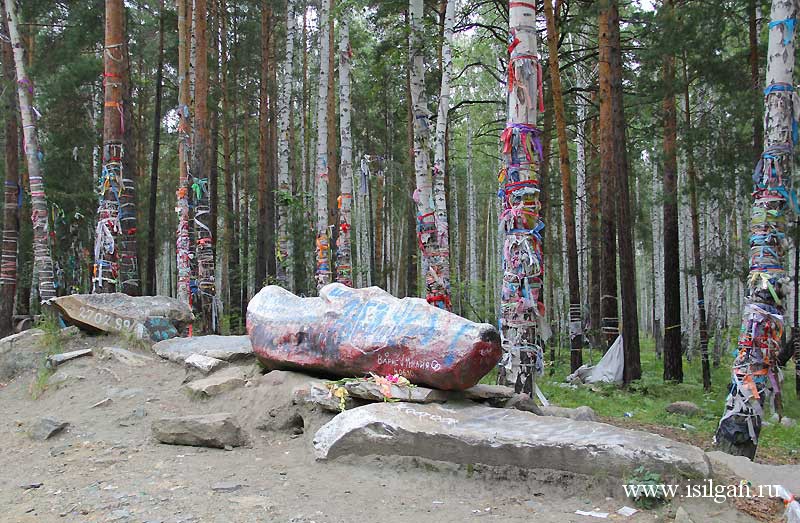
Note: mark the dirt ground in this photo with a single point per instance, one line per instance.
(106, 466)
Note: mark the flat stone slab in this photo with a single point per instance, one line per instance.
(226, 348)
(45, 428)
(20, 353)
(217, 384)
(371, 391)
(583, 413)
(125, 356)
(483, 391)
(147, 317)
(351, 332)
(503, 437)
(758, 473)
(212, 430)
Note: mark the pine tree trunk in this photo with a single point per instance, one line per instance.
(323, 272)
(43, 262)
(285, 249)
(344, 258)
(762, 317)
(12, 192)
(608, 189)
(264, 176)
(625, 220)
(441, 260)
(673, 363)
(151, 218)
(698, 263)
(411, 230)
(522, 308)
(595, 264)
(575, 316)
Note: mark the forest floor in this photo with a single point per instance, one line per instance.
(107, 467)
(642, 405)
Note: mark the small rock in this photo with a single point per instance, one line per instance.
(788, 422)
(228, 348)
(318, 394)
(133, 418)
(483, 391)
(687, 408)
(371, 391)
(46, 428)
(225, 487)
(524, 403)
(57, 359)
(681, 516)
(213, 430)
(29, 486)
(205, 364)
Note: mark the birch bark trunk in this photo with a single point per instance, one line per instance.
(344, 258)
(441, 260)
(285, 249)
(323, 252)
(755, 372)
(43, 261)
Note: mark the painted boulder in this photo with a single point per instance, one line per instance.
(352, 332)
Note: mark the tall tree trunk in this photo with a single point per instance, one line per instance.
(333, 165)
(151, 218)
(245, 210)
(627, 255)
(472, 224)
(608, 190)
(264, 189)
(442, 258)
(755, 78)
(344, 269)
(434, 271)
(285, 248)
(411, 229)
(204, 248)
(755, 367)
(522, 312)
(129, 277)
(43, 261)
(183, 241)
(673, 363)
(108, 274)
(575, 316)
(698, 263)
(323, 252)
(231, 243)
(595, 264)
(12, 193)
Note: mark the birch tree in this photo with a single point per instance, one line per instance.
(755, 373)
(440, 267)
(322, 246)
(344, 259)
(285, 248)
(472, 221)
(522, 313)
(43, 261)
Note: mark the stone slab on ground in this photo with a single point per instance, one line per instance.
(758, 473)
(371, 391)
(503, 437)
(212, 430)
(204, 364)
(483, 391)
(147, 317)
(687, 408)
(316, 393)
(125, 356)
(227, 348)
(216, 384)
(20, 353)
(45, 428)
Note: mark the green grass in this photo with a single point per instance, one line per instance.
(52, 343)
(645, 401)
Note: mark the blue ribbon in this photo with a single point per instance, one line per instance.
(789, 23)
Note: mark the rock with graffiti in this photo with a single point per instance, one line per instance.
(148, 317)
(352, 332)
